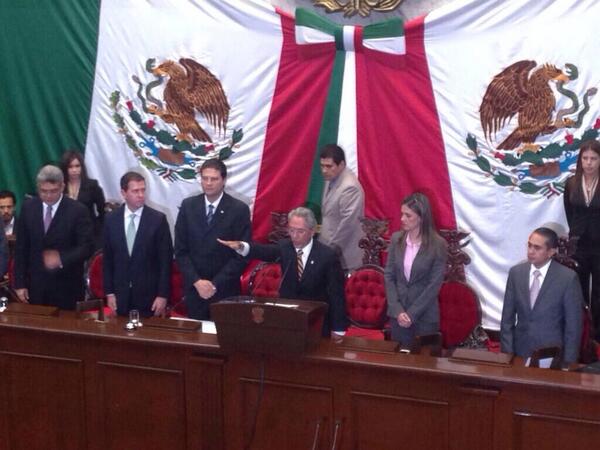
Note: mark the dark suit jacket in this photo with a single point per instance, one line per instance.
(71, 234)
(418, 296)
(556, 318)
(584, 221)
(322, 279)
(3, 254)
(138, 279)
(198, 253)
(92, 196)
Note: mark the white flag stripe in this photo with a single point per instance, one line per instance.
(392, 45)
(348, 121)
(308, 35)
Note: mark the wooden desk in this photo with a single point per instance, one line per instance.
(81, 384)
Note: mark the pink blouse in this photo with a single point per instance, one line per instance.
(410, 254)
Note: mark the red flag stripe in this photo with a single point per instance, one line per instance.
(400, 146)
(292, 131)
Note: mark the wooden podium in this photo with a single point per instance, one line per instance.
(268, 325)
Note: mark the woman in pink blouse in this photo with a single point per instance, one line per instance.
(414, 272)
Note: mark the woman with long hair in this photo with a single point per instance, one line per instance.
(83, 189)
(414, 272)
(582, 208)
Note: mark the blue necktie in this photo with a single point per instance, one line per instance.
(211, 213)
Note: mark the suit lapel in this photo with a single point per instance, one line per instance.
(310, 261)
(142, 225)
(220, 212)
(547, 284)
(57, 216)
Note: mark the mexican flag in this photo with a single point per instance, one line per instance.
(161, 86)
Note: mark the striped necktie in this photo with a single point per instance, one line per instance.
(211, 213)
(299, 264)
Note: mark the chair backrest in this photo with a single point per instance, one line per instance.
(93, 276)
(366, 305)
(265, 280)
(544, 353)
(460, 312)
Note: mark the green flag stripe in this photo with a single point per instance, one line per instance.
(389, 28)
(309, 19)
(329, 129)
(48, 51)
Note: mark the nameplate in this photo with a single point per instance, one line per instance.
(172, 324)
(36, 310)
(470, 355)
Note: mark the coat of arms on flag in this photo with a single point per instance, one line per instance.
(523, 90)
(176, 120)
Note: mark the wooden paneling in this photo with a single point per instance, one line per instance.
(386, 421)
(288, 416)
(141, 405)
(67, 384)
(545, 432)
(43, 402)
(204, 398)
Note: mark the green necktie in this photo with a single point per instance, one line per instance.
(130, 234)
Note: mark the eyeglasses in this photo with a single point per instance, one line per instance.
(299, 231)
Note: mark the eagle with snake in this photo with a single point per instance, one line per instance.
(520, 90)
(191, 88)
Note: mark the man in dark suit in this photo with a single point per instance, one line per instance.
(310, 270)
(138, 253)
(542, 303)
(211, 271)
(8, 202)
(54, 238)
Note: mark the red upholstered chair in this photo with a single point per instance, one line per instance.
(7, 284)
(265, 280)
(246, 275)
(93, 279)
(176, 305)
(460, 312)
(366, 305)
(93, 276)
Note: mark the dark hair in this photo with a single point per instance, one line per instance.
(9, 194)
(216, 164)
(130, 176)
(419, 203)
(550, 236)
(66, 159)
(576, 195)
(334, 152)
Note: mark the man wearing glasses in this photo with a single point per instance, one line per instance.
(54, 238)
(310, 270)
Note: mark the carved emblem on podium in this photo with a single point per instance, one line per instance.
(258, 315)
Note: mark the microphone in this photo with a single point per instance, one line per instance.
(283, 275)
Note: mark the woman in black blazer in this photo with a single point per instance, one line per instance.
(83, 189)
(414, 272)
(582, 208)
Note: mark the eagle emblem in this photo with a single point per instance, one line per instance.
(191, 88)
(188, 125)
(362, 7)
(511, 153)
